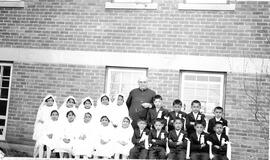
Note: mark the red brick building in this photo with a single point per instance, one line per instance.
(215, 51)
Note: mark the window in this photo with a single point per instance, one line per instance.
(123, 80)
(206, 5)
(131, 4)
(206, 87)
(5, 81)
(207, 1)
(11, 3)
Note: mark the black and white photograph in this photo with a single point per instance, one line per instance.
(135, 79)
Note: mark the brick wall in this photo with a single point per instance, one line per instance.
(31, 82)
(87, 25)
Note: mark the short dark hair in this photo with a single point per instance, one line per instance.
(218, 108)
(157, 97)
(178, 118)
(195, 101)
(141, 120)
(218, 122)
(54, 111)
(159, 120)
(199, 122)
(70, 112)
(177, 101)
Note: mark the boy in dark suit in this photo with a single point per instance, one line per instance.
(198, 146)
(177, 141)
(218, 140)
(139, 151)
(157, 141)
(218, 111)
(157, 112)
(177, 105)
(194, 116)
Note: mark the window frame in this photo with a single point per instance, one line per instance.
(119, 68)
(131, 4)
(196, 72)
(12, 3)
(3, 137)
(206, 1)
(203, 5)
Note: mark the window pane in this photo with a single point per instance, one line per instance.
(5, 83)
(116, 77)
(2, 122)
(190, 77)
(214, 79)
(6, 71)
(202, 78)
(3, 108)
(4, 93)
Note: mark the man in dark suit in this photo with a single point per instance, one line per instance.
(139, 101)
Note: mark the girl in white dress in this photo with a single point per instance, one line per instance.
(68, 135)
(119, 110)
(84, 142)
(104, 139)
(123, 139)
(86, 106)
(48, 104)
(50, 136)
(69, 104)
(104, 108)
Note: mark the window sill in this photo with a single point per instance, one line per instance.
(218, 7)
(15, 3)
(110, 5)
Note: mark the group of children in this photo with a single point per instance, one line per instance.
(105, 131)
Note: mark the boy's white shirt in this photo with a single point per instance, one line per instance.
(217, 119)
(218, 136)
(195, 115)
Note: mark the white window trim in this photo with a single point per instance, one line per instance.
(12, 3)
(109, 69)
(221, 5)
(131, 4)
(3, 137)
(222, 88)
